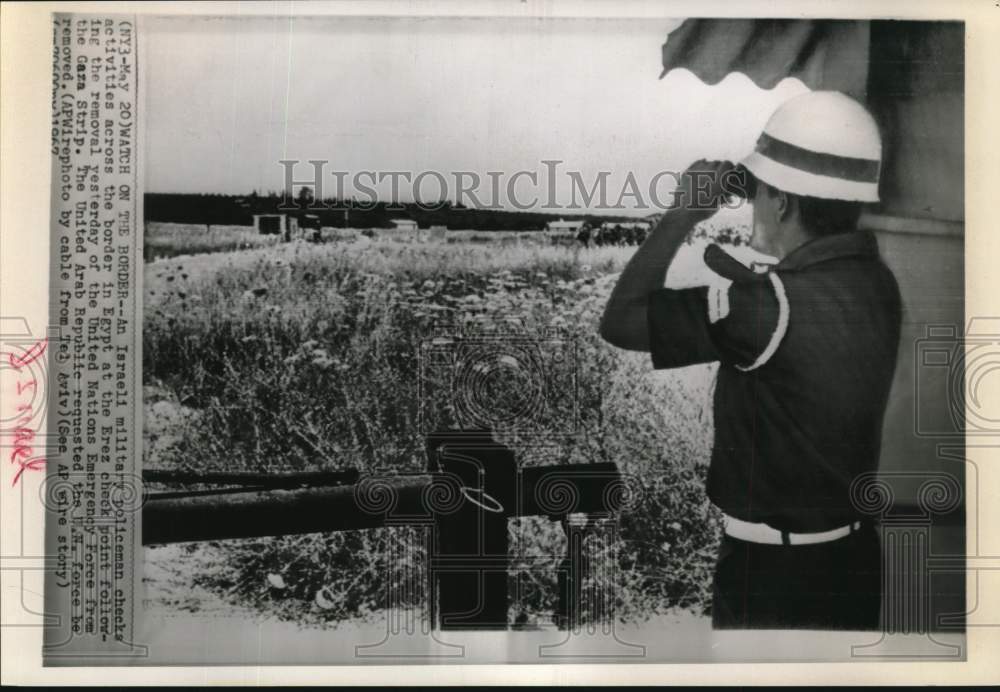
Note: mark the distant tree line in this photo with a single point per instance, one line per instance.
(237, 210)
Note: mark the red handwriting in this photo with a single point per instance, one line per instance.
(29, 356)
(22, 456)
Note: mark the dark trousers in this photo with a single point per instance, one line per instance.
(834, 585)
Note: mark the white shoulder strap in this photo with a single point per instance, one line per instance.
(718, 299)
(779, 330)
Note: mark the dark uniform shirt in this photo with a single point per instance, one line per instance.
(807, 358)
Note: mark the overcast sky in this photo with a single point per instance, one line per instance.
(227, 98)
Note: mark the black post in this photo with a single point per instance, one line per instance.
(469, 559)
(572, 572)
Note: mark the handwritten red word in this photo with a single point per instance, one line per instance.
(23, 435)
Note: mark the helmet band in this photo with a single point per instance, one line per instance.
(818, 163)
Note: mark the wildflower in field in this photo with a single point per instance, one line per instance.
(322, 360)
(325, 599)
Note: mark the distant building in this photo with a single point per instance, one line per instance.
(561, 227)
(309, 221)
(269, 224)
(404, 224)
(627, 225)
(310, 228)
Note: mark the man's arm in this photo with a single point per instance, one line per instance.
(624, 323)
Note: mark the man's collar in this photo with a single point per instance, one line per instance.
(836, 246)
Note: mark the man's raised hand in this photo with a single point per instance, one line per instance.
(705, 185)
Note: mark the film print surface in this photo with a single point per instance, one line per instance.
(342, 448)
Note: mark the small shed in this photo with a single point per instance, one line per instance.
(562, 227)
(404, 224)
(310, 228)
(309, 221)
(270, 224)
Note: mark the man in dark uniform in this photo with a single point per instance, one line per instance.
(807, 352)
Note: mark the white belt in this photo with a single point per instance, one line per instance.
(762, 533)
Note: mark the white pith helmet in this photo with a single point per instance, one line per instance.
(820, 144)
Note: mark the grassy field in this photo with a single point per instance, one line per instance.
(166, 240)
(303, 356)
(163, 240)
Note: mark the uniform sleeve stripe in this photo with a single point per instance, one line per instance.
(779, 330)
(718, 301)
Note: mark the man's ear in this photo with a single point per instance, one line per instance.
(783, 206)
